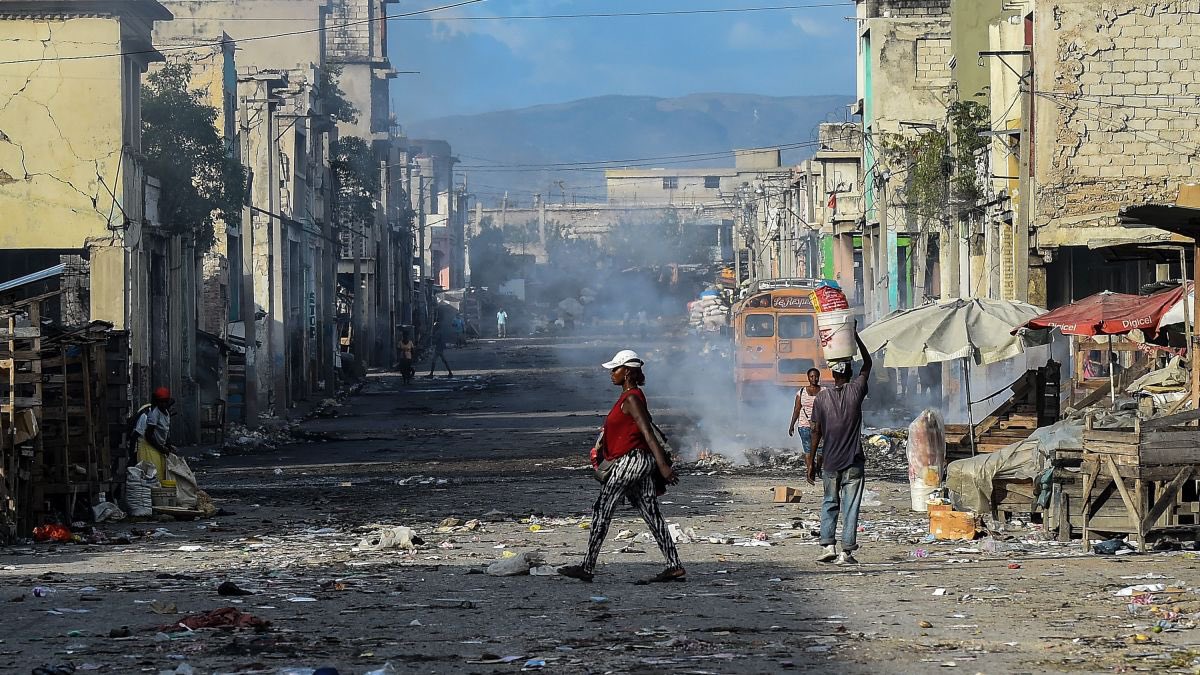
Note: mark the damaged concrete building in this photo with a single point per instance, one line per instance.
(72, 184)
(290, 290)
(1079, 109)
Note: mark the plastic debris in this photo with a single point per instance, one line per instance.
(1138, 589)
(517, 564)
(52, 532)
(391, 537)
(225, 617)
(1111, 547)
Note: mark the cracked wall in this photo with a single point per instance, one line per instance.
(60, 131)
(1116, 109)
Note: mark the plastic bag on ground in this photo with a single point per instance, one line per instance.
(516, 565)
(391, 537)
(185, 481)
(107, 511)
(926, 456)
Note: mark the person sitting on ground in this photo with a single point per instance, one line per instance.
(152, 431)
(439, 349)
(629, 442)
(838, 455)
(802, 412)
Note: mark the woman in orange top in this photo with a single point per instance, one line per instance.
(630, 444)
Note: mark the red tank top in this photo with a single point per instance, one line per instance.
(621, 433)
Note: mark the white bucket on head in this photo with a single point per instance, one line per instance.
(836, 331)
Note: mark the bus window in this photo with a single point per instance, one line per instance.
(760, 325)
(795, 326)
(794, 366)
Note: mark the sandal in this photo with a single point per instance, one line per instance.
(665, 576)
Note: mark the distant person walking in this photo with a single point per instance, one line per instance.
(502, 323)
(801, 423)
(628, 441)
(838, 455)
(460, 330)
(407, 349)
(439, 349)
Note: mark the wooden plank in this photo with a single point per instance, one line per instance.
(1122, 460)
(1099, 393)
(1134, 515)
(1107, 448)
(1089, 481)
(1167, 497)
(1192, 435)
(1155, 454)
(1172, 420)
(20, 333)
(1110, 436)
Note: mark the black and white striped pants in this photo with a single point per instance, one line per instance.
(631, 477)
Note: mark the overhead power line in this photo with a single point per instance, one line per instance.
(235, 41)
(587, 15)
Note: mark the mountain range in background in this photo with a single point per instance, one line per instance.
(509, 150)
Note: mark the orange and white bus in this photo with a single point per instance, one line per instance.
(775, 339)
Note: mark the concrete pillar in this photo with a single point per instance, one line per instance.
(109, 267)
(948, 262)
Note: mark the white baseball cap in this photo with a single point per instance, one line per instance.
(625, 357)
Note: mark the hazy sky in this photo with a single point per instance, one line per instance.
(476, 66)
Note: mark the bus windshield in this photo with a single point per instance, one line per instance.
(795, 326)
(760, 325)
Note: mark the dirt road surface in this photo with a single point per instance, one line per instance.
(504, 443)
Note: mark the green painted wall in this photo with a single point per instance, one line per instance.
(969, 20)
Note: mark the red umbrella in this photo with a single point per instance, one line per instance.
(1108, 313)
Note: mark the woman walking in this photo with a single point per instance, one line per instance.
(630, 444)
(803, 410)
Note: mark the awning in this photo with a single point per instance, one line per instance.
(1108, 313)
(1183, 220)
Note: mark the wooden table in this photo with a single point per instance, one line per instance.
(1148, 467)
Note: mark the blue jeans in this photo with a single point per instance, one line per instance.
(805, 434)
(843, 493)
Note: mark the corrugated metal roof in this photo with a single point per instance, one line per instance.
(31, 278)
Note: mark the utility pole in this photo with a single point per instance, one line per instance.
(247, 312)
(884, 249)
(356, 309)
(421, 225)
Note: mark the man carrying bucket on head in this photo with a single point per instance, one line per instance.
(838, 454)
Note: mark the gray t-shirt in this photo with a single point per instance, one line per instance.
(839, 412)
(156, 420)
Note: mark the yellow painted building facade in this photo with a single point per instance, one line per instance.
(63, 124)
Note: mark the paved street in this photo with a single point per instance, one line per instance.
(504, 442)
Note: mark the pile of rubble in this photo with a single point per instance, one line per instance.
(270, 436)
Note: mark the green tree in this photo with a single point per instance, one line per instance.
(201, 179)
(967, 120)
(935, 173)
(333, 98)
(356, 181)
